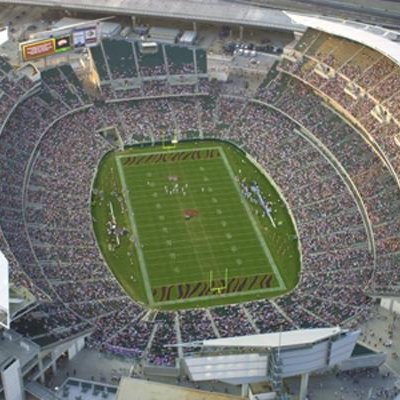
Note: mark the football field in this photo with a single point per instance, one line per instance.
(193, 227)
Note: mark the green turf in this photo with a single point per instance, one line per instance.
(165, 259)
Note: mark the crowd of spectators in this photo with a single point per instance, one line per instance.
(58, 83)
(160, 351)
(360, 81)
(133, 72)
(46, 172)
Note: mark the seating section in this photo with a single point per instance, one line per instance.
(120, 58)
(363, 84)
(5, 66)
(50, 323)
(74, 84)
(12, 88)
(99, 60)
(343, 195)
(58, 83)
(201, 61)
(125, 71)
(151, 64)
(180, 60)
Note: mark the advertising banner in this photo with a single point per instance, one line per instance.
(34, 50)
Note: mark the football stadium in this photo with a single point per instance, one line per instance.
(199, 199)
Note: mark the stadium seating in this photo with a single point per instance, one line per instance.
(120, 58)
(343, 196)
(357, 79)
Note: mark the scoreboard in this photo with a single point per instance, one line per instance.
(58, 43)
(84, 37)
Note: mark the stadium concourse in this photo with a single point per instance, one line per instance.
(337, 170)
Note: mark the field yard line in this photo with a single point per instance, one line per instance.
(158, 254)
(216, 230)
(253, 222)
(142, 262)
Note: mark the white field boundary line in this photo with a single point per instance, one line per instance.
(253, 222)
(142, 262)
(281, 286)
(260, 238)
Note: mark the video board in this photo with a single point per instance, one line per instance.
(84, 37)
(59, 43)
(63, 44)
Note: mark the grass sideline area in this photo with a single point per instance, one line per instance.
(195, 225)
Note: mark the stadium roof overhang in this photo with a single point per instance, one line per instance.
(382, 40)
(212, 11)
(299, 337)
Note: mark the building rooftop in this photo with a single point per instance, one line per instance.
(279, 339)
(14, 345)
(136, 389)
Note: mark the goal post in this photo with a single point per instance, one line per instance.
(170, 145)
(219, 289)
